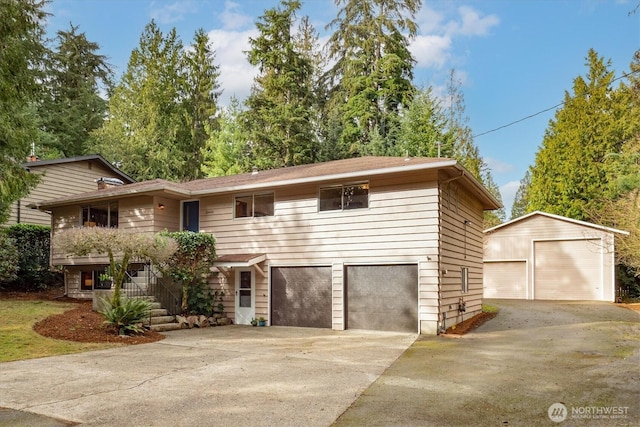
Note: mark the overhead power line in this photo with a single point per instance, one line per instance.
(543, 111)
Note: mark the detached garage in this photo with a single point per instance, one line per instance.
(549, 257)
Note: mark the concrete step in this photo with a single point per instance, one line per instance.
(156, 320)
(163, 327)
(155, 306)
(158, 311)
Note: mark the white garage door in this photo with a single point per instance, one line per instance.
(568, 270)
(505, 279)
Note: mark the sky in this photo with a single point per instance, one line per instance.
(515, 58)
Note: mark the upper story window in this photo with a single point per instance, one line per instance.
(100, 215)
(343, 197)
(191, 216)
(254, 205)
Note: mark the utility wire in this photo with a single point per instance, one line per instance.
(543, 111)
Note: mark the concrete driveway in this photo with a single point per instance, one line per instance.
(534, 354)
(228, 376)
(511, 370)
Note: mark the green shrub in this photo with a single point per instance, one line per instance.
(32, 243)
(127, 315)
(8, 259)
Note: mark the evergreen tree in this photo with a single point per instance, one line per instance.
(227, 152)
(424, 130)
(521, 200)
(373, 71)
(163, 106)
(570, 176)
(21, 54)
(145, 133)
(74, 106)
(279, 109)
(202, 92)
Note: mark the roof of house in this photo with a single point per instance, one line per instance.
(347, 169)
(557, 217)
(91, 157)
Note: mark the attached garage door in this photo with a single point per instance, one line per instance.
(568, 270)
(382, 297)
(505, 279)
(301, 296)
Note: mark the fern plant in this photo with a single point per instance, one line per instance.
(127, 315)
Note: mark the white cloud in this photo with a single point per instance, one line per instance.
(434, 46)
(431, 51)
(498, 166)
(236, 74)
(165, 13)
(232, 19)
(473, 24)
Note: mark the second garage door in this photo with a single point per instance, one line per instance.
(505, 279)
(568, 270)
(382, 297)
(301, 296)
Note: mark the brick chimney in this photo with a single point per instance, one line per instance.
(32, 158)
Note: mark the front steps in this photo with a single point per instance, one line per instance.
(160, 320)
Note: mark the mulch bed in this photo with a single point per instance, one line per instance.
(80, 324)
(470, 324)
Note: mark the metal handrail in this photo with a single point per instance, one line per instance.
(167, 292)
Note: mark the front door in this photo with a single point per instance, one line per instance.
(245, 296)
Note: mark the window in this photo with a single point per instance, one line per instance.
(87, 279)
(254, 205)
(465, 280)
(191, 216)
(102, 215)
(344, 197)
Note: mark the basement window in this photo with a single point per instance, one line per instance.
(344, 197)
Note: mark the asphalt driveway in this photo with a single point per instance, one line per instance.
(534, 354)
(511, 370)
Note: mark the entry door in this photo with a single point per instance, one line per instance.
(245, 296)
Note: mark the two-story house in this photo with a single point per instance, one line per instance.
(379, 243)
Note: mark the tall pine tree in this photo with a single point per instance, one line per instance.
(74, 106)
(280, 108)
(571, 176)
(373, 71)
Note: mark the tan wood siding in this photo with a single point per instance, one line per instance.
(298, 233)
(505, 279)
(568, 270)
(461, 245)
(58, 180)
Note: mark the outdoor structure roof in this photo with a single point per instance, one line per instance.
(558, 217)
(90, 157)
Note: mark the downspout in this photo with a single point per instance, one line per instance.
(442, 315)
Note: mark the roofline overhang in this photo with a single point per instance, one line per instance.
(359, 174)
(120, 192)
(489, 202)
(558, 217)
(240, 264)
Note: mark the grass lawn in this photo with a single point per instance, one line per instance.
(19, 341)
